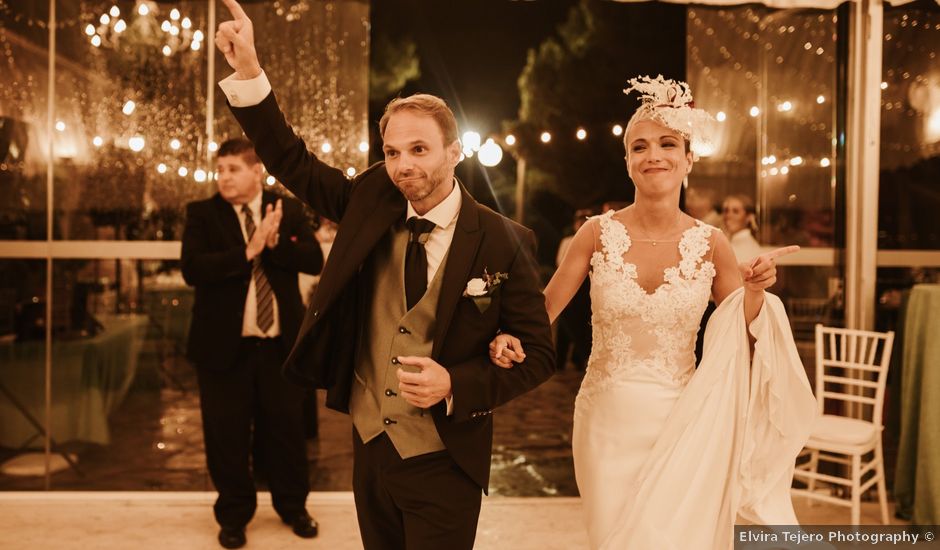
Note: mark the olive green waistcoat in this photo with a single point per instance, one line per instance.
(393, 331)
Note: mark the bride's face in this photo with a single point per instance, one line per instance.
(657, 158)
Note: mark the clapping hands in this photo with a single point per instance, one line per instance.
(268, 233)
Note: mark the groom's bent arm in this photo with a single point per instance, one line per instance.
(478, 386)
(284, 154)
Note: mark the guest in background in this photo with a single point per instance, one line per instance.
(739, 222)
(242, 250)
(574, 324)
(700, 204)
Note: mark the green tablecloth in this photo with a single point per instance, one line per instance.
(90, 377)
(917, 479)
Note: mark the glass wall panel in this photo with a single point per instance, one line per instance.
(23, 374)
(130, 118)
(24, 55)
(124, 402)
(910, 129)
(770, 77)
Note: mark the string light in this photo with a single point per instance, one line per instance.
(136, 143)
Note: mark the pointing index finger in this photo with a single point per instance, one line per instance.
(236, 10)
(783, 251)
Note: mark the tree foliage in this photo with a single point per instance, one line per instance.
(576, 79)
(394, 63)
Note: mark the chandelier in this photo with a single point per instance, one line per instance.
(175, 33)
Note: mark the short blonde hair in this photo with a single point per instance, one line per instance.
(425, 104)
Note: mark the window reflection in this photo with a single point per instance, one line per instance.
(770, 77)
(910, 130)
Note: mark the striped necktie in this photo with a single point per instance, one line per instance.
(263, 292)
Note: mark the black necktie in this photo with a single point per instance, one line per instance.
(263, 291)
(416, 260)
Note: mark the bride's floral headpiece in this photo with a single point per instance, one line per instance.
(670, 103)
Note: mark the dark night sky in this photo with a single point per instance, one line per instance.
(472, 51)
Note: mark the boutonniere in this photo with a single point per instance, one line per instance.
(481, 289)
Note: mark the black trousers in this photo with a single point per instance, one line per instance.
(424, 502)
(254, 394)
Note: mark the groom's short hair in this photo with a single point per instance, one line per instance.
(425, 104)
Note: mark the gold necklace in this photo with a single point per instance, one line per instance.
(652, 241)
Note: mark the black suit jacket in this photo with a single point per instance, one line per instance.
(366, 207)
(213, 261)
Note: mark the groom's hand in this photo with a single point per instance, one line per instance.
(426, 388)
(236, 40)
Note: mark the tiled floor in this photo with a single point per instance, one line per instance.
(144, 521)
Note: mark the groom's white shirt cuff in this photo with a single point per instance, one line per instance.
(245, 93)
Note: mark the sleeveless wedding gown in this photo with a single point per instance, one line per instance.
(657, 445)
(643, 356)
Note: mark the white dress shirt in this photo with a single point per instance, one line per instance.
(250, 319)
(444, 216)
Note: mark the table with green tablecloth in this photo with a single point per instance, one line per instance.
(90, 377)
(917, 479)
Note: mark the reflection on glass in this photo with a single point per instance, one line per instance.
(131, 95)
(811, 295)
(22, 375)
(910, 130)
(23, 107)
(316, 56)
(769, 75)
(124, 403)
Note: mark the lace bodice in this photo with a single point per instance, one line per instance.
(643, 335)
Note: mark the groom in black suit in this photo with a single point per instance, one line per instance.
(420, 279)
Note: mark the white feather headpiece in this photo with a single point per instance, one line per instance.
(670, 103)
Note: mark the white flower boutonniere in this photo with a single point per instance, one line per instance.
(481, 289)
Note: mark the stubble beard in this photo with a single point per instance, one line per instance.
(434, 180)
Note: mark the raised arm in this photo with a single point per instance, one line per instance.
(255, 107)
(236, 40)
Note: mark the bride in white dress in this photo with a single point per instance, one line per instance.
(666, 456)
